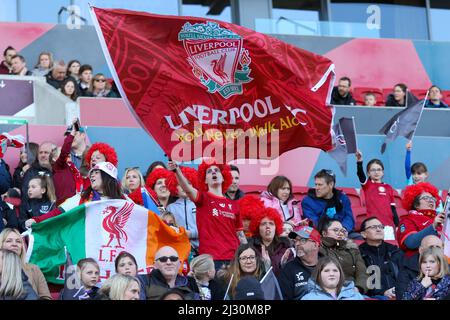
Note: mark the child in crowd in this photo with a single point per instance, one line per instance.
(379, 196)
(89, 272)
(370, 100)
(203, 271)
(433, 282)
(42, 198)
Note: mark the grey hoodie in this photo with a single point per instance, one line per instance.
(185, 211)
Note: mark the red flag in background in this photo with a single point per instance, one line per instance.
(209, 88)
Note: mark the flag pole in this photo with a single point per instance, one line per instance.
(354, 129)
(228, 288)
(420, 116)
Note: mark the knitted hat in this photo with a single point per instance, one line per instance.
(249, 288)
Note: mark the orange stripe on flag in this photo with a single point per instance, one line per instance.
(159, 234)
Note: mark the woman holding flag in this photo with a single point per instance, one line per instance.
(104, 185)
(218, 220)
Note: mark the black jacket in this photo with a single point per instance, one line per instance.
(156, 286)
(293, 279)
(10, 215)
(337, 99)
(388, 258)
(239, 194)
(5, 177)
(54, 82)
(411, 99)
(409, 270)
(34, 208)
(31, 173)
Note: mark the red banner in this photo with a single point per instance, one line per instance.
(210, 88)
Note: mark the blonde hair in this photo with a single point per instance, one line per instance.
(50, 58)
(116, 286)
(200, 266)
(124, 179)
(47, 183)
(438, 254)
(5, 233)
(166, 214)
(11, 284)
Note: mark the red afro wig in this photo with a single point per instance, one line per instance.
(136, 196)
(411, 193)
(105, 149)
(269, 213)
(156, 174)
(224, 169)
(250, 206)
(190, 173)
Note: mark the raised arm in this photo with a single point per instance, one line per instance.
(408, 160)
(359, 167)
(191, 192)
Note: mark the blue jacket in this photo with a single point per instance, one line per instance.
(416, 291)
(315, 292)
(184, 211)
(338, 207)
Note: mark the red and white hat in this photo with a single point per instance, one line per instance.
(106, 167)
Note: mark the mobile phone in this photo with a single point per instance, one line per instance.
(77, 125)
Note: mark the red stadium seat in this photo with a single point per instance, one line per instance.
(446, 96)
(253, 189)
(398, 204)
(353, 196)
(419, 93)
(360, 92)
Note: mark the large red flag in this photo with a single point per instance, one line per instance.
(209, 88)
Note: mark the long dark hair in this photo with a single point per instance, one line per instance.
(111, 188)
(32, 155)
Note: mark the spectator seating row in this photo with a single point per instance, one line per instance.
(356, 197)
(381, 94)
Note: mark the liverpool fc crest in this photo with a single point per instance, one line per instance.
(217, 57)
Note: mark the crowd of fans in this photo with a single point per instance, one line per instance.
(73, 80)
(314, 247)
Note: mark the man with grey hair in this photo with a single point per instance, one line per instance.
(410, 268)
(165, 276)
(57, 75)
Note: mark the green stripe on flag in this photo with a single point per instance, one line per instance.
(50, 237)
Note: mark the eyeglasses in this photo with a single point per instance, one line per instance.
(303, 240)
(428, 198)
(337, 230)
(100, 80)
(249, 258)
(374, 227)
(376, 170)
(171, 258)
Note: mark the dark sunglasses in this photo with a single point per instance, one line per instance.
(171, 258)
(100, 80)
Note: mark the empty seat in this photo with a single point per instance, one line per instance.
(353, 196)
(360, 92)
(446, 96)
(419, 93)
(253, 189)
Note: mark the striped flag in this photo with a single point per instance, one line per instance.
(101, 230)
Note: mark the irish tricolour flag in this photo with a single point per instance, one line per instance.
(101, 230)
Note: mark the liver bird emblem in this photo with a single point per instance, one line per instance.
(218, 67)
(114, 223)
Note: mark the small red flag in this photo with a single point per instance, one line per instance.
(206, 88)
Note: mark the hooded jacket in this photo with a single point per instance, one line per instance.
(388, 258)
(293, 215)
(338, 207)
(315, 292)
(347, 253)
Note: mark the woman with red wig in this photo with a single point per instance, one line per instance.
(218, 220)
(155, 187)
(98, 152)
(249, 206)
(421, 200)
(266, 228)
